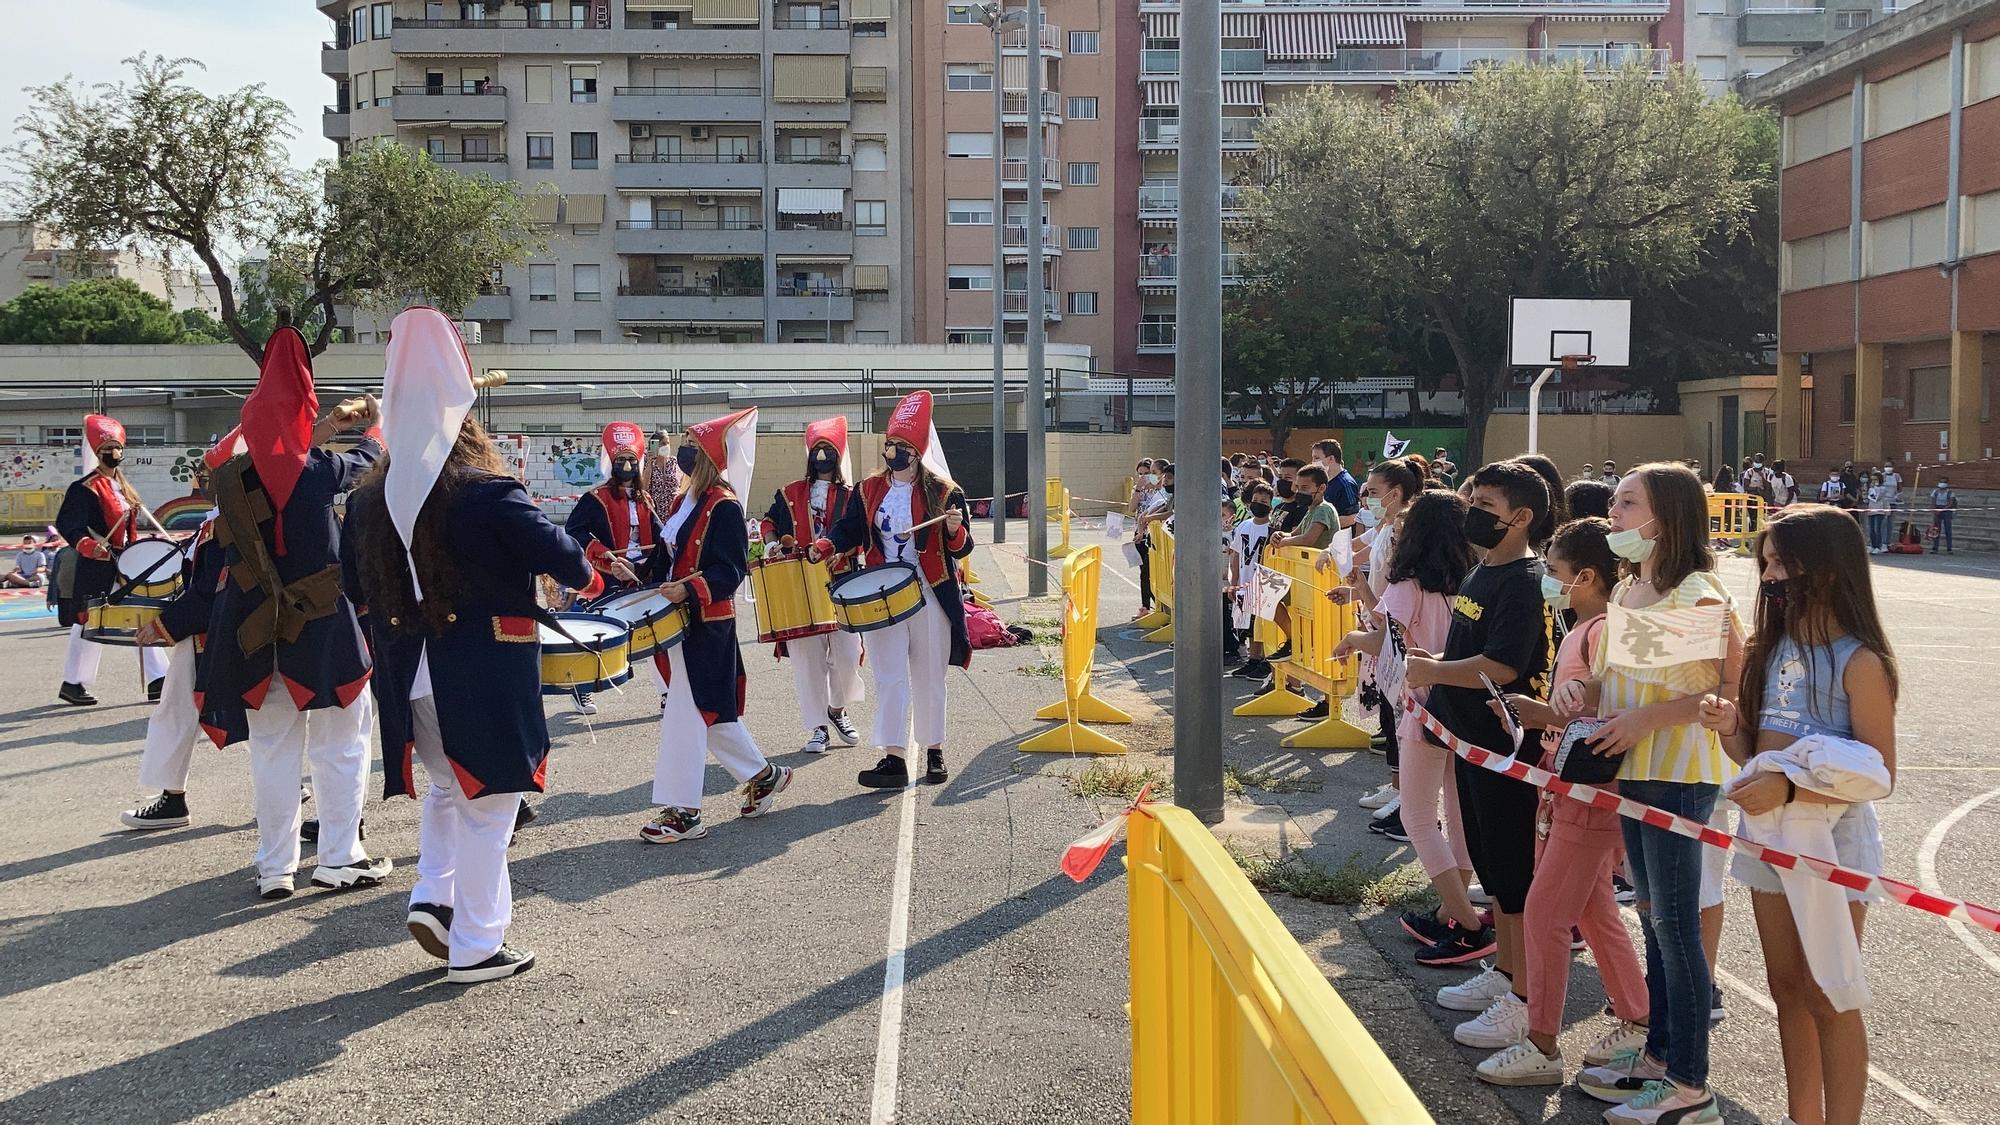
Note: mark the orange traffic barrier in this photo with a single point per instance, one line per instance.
(1080, 577)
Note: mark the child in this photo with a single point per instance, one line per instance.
(1390, 487)
(1581, 844)
(1497, 631)
(1246, 546)
(1431, 559)
(1659, 520)
(1818, 667)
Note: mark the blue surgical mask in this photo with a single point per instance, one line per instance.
(685, 457)
(1555, 593)
(898, 460)
(1630, 545)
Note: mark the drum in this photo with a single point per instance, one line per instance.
(569, 666)
(152, 564)
(878, 597)
(118, 623)
(656, 623)
(792, 599)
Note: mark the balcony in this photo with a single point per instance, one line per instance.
(687, 170)
(1235, 60)
(335, 124)
(1782, 27)
(1156, 336)
(813, 234)
(813, 302)
(689, 236)
(687, 103)
(1014, 41)
(1159, 271)
(1014, 108)
(503, 37)
(1380, 64)
(1014, 304)
(1164, 133)
(482, 103)
(666, 303)
(810, 170)
(333, 59)
(495, 302)
(703, 40)
(478, 161)
(1015, 240)
(809, 35)
(1014, 174)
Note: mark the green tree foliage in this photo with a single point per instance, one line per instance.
(1287, 344)
(158, 165)
(98, 311)
(1520, 182)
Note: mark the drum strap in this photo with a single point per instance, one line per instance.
(144, 576)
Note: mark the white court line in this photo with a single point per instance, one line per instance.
(1917, 1101)
(889, 1035)
(1927, 874)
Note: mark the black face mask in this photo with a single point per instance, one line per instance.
(823, 461)
(685, 457)
(1484, 529)
(1284, 490)
(1170, 490)
(112, 458)
(898, 460)
(624, 472)
(1260, 509)
(1776, 591)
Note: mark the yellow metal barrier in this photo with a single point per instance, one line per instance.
(1231, 1023)
(1317, 626)
(1734, 517)
(970, 581)
(1080, 576)
(30, 506)
(1161, 567)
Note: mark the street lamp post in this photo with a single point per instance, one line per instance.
(997, 20)
(1038, 421)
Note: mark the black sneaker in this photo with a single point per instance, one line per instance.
(1283, 654)
(934, 771)
(153, 689)
(1716, 1011)
(367, 873)
(844, 726)
(1255, 668)
(1458, 947)
(168, 810)
(506, 963)
(1391, 826)
(889, 773)
(1623, 891)
(1317, 711)
(523, 816)
(76, 696)
(430, 924)
(1427, 927)
(309, 830)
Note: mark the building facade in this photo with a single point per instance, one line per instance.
(1732, 42)
(33, 255)
(1890, 215)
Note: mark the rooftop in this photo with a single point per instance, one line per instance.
(1931, 19)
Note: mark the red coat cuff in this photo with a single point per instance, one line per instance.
(598, 554)
(91, 549)
(595, 588)
(957, 542)
(373, 433)
(699, 586)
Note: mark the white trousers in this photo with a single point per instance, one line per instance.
(462, 842)
(80, 665)
(910, 658)
(686, 742)
(334, 742)
(827, 672)
(173, 728)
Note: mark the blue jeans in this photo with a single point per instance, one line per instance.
(1944, 532)
(1666, 871)
(1878, 529)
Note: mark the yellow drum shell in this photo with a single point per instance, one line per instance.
(793, 599)
(656, 623)
(139, 556)
(877, 597)
(119, 624)
(568, 666)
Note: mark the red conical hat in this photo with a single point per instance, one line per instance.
(278, 420)
(731, 442)
(626, 438)
(229, 446)
(101, 428)
(911, 421)
(832, 431)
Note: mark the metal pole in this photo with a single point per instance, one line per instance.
(999, 283)
(1535, 410)
(1198, 420)
(1038, 421)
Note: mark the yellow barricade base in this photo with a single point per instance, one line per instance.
(1157, 619)
(1073, 738)
(1328, 734)
(1161, 636)
(1089, 709)
(1279, 702)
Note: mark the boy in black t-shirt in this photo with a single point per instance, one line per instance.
(1497, 628)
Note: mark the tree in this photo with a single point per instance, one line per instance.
(1287, 346)
(198, 327)
(1520, 182)
(98, 311)
(176, 173)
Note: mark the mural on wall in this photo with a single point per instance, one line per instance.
(576, 461)
(34, 467)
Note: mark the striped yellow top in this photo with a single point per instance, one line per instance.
(1690, 754)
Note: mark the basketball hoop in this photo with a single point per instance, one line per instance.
(1572, 362)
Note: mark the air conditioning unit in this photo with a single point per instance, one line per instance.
(704, 201)
(699, 132)
(642, 132)
(468, 330)
(702, 330)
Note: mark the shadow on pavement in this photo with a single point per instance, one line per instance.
(110, 844)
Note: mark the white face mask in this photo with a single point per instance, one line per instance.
(1630, 544)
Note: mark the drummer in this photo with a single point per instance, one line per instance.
(910, 657)
(617, 528)
(99, 519)
(704, 673)
(826, 669)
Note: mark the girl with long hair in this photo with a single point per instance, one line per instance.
(1818, 668)
(826, 669)
(98, 519)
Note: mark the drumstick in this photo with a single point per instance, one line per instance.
(902, 536)
(352, 407)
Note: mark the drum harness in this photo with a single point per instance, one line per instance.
(286, 609)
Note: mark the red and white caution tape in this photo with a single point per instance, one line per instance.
(1083, 855)
(1971, 913)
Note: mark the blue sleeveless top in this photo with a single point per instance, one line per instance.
(1805, 690)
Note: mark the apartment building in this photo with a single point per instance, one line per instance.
(709, 170)
(31, 254)
(1730, 42)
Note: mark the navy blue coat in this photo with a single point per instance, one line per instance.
(328, 665)
(712, 555)
(486, 669)
(82, 512)
(187, 615)
(589, 524)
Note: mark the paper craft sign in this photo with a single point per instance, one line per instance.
(1266, 592)
(1393, 446)
(1389, 665)
(1114, 525)
(1660, 638)
(1343, 551)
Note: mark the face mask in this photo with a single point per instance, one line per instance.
(1484, 529)
(1555, 593)
(624, 471)
(1375, 506)
(1170, 490)
(685, 458)
(1259, 509)
(898, 460)
(1369, 517)
(1285, 490)
(112, 457)
(1630, 545)
(823, 461)
(1774, 590)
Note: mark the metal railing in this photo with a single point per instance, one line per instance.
(750, 157)
(1167, 130)
(813, 289)
(1157, 333)
(1016, 38)
(497, 25)
(468, 157)
(1166, 267)
(823, 23)
(784, 157)
(685, 90)
(813, 222)
(1016, 171)
(1167, 197)
(690, 224)
(711, 290)
(1016, 105)
(1015, 302)
(1466, 60)
(1016, 238)
(1235, 60)
(463, 89)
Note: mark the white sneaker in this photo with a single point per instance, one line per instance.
(1523, 1064)
(1476, 994)
(1663, 1103)
(1626, 1037)
(583, 704)
(1477, 894)
(1376, 798)
(1621, 1079)
(1503, 1024)
(1393, 805)
(274, 887)
(818, 743)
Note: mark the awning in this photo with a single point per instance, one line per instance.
(1239, 25)
(658, 5)
(586, 209)
(1014, 72)
(809, 78)
(871, 279)
(871, 83)
(1299, 35)
(542, 206)
(726, 11)
(1370, 29)
(1163, 25)
(812, 201)
(868, 11)
(1242, 92)
(1163, 93)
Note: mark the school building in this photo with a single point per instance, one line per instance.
(1890, 216)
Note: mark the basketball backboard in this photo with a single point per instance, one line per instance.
(1542, 330)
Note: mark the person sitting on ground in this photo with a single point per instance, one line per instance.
(31, 566)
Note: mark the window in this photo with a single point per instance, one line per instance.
(357, 25)
(541, 150)
(541, 335)
(541, 85)
(1909, 97)
(1083, 238)
(1982, 70)
(871, 216)
(871, 156)
(961, 13)
(1847, 399)
(583, 84)
(965, 146)
(1711, 7)
(1982, 224)
(1083, 175)
(1712, 68)
(968, 77)
(585, 284)
(968, 336)
(364, 89)
(384, 19)
(1083, 109)
(1903, 242)
(1851, 20)
(583, 150)
(1930, 394)
(1083, 304)
(589, 336)
(1820, 130)
(969, 278)
(145, 435)
(1083, 42)
(542, 282)
(73, 435)
(385, 87)
(969, 213)
(1819, 260)
(735, 217)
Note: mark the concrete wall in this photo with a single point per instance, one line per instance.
(1573, 440)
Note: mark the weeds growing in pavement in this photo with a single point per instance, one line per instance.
(1122, 780)
(1047, 667)
(1356, 882)
(1235, 779)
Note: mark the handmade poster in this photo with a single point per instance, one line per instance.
(1643, 639)
(1266, 592)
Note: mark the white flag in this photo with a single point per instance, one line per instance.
(1343, 551)
(1267, 592)
(1393, 448)
(1661, 638)
(1114, 526)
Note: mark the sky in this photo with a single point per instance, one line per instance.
(243, 42)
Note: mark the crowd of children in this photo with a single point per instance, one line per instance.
(1502, 586)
